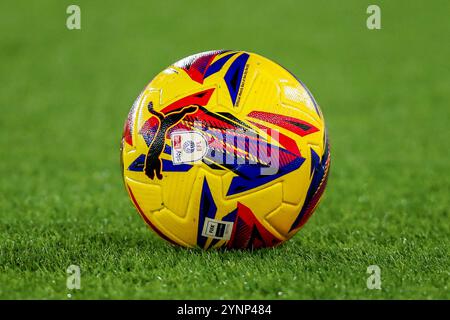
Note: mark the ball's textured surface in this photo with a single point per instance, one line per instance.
(225, 149)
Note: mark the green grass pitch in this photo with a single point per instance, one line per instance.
(64, 96)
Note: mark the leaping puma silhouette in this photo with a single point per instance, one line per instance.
(153, 163)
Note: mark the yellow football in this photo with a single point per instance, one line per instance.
(225, 149)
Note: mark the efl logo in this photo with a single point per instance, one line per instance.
(176, 140)
(188, 147)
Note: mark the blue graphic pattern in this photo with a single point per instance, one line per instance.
(216, 66)
(233, 77)
(138, 164)
(207, 209)
(318, 171)
(253, 177)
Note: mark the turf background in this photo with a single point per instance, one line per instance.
(65, 94)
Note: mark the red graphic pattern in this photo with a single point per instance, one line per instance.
(196, 68)
(248, 232)
(317, 195)
(200, 99)
(297, 126)
(127, 136)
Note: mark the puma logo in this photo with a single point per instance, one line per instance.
(153, 162)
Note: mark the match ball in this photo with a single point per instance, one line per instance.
(225, 149)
